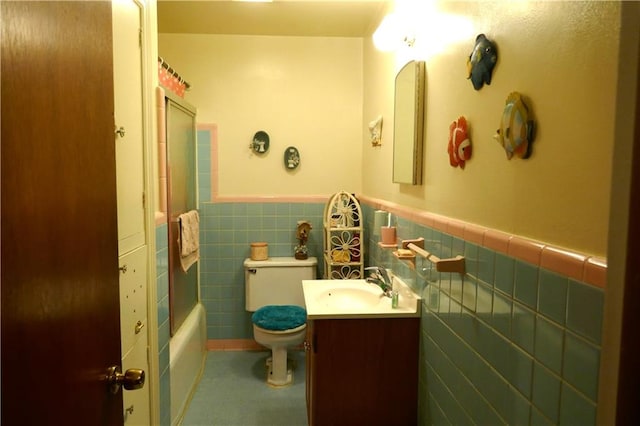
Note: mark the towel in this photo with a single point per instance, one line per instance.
(189, 240)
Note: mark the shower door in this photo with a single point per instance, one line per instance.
(181, 197)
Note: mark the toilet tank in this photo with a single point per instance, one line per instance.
(276, 281)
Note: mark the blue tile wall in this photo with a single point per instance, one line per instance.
(552, 300)
(162, 277)
(507, 343)
(226, 232)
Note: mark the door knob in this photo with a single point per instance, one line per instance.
(120, 131)
(132, 379)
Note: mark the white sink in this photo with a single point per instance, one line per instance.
(362, 296)
(326, 299)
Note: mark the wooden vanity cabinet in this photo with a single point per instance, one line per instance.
(362, 371)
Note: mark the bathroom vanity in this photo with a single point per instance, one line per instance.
(362, 371)
(362, 356)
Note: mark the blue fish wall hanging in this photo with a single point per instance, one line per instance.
(481, 62)
(517, 129)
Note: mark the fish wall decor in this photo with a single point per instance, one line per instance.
(481, 61)
(459, 147)
(517, 129)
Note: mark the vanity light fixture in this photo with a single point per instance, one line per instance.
(393, 34)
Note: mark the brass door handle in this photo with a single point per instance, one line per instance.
(132, 379)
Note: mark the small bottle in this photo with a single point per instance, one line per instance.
(394, 290)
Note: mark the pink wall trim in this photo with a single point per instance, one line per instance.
(272, 198)
(583, 267)
(239, 345)
(496, 240)
(563, 262)
(474, 233)
(234, 345)
(524, 249)
(595, 271)
(161, 218)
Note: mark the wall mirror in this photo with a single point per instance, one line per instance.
(408, 117)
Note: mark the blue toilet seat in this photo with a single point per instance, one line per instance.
(279, 317)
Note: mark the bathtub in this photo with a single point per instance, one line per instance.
(187, 355)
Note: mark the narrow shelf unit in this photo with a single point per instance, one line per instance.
(343, 237)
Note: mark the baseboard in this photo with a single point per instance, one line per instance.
(234, 345)
(240, 345)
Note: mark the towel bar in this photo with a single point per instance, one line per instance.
(453, 264)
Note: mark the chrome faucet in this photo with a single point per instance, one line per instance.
(381, 278)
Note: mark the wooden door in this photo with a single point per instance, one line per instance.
(60, 314)
(628, 394)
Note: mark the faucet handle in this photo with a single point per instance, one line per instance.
(375, 273)
(374, 280)
(381, 273)
(385, 275)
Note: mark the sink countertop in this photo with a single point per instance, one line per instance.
(351, 299)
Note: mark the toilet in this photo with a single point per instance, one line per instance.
(273, 291)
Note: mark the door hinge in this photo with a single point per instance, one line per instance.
(140, 37)
(144, 200)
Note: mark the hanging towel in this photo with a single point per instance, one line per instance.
(189, 240)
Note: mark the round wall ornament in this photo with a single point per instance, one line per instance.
(291, 158)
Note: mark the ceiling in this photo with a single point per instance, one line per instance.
(322, 18)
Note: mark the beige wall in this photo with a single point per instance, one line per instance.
(318, 94)
(563, 57)
(303, 91)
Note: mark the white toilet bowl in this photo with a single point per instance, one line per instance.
(273, 292)
(279, 341)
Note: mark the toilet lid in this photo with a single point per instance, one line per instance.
(279, 317)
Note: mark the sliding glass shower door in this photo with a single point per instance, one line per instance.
(181, 198)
